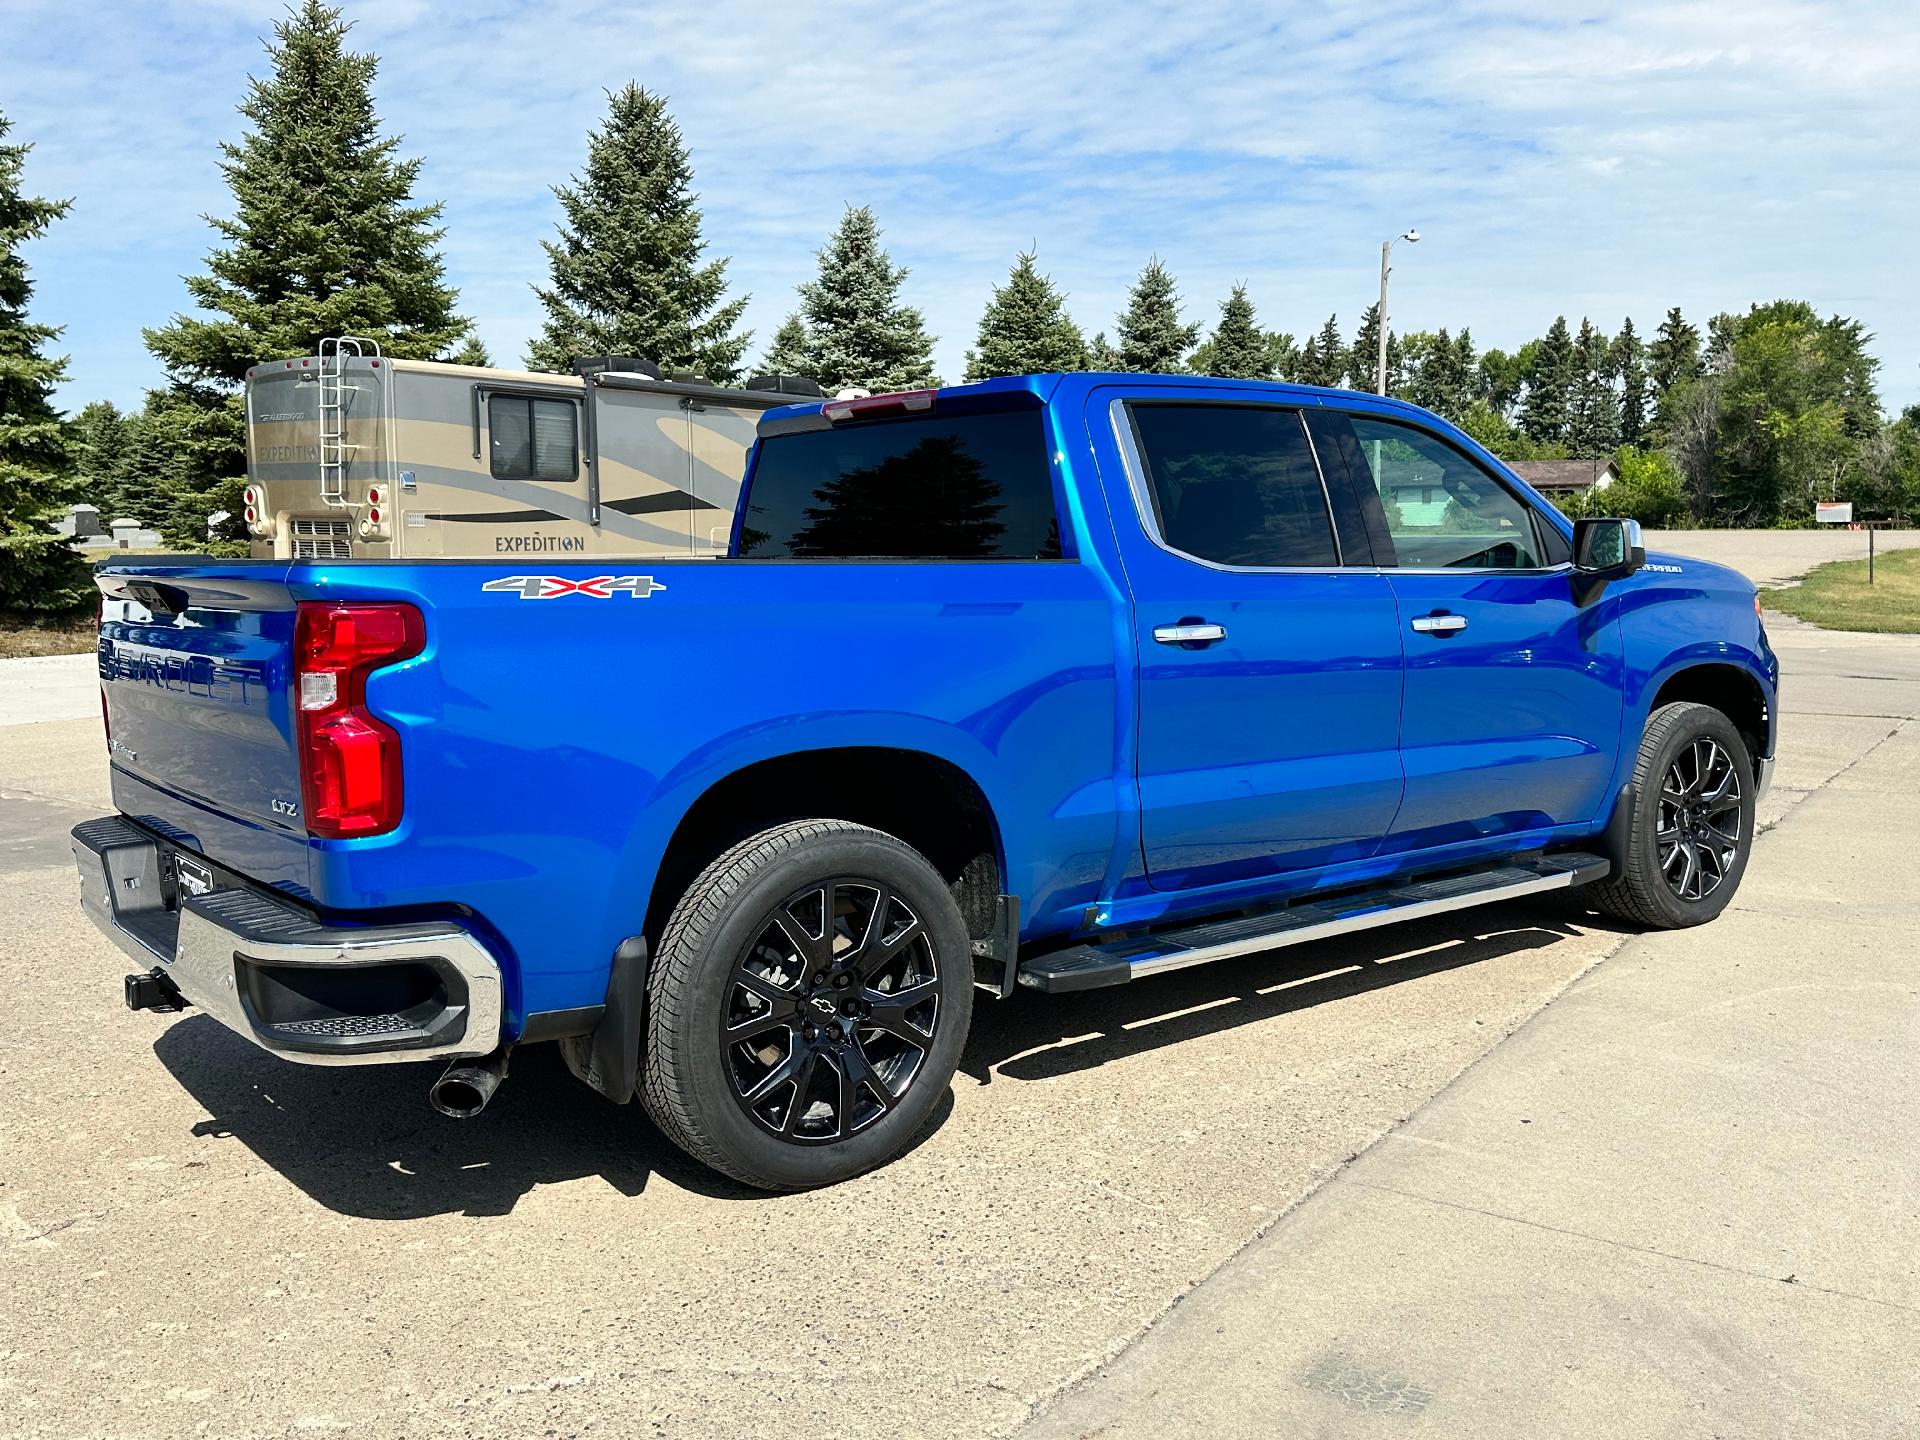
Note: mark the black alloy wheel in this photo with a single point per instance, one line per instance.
(1699, 831)
(830, 1011)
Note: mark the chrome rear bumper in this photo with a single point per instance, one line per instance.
(308, 991)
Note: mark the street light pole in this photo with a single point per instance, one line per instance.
(1412, 237)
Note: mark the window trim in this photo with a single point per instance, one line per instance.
(1534, 516)
(483, 398)
(1146, 502)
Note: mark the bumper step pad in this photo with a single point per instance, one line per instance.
(1114, 962)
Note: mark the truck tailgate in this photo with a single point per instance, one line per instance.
(195, 664)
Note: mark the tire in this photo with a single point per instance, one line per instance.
(818, 1079)
(1683, 860)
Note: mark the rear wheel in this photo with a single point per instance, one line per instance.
(808, 1005)
(1691, 825)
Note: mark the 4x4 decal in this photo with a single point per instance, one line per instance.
(552, 587)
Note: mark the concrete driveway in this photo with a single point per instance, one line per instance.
(200, 1239)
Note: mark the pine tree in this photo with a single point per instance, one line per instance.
(1325, 359)
(1151, 338)
(97, 442)
(41, 574)
(1100, 355)
(1673, 358)
(627, 271)
(1594, 425)
(1547, 412)
(325, 240)
(787, 355)
(1363, 357)
(1630, 364)
(472, 351)
(1283, 356)
(1238, 347)
(1025, 329)
(858, 332)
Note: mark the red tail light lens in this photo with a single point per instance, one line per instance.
(867, 406)
(349, 760)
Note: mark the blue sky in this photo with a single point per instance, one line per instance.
(1556, 158)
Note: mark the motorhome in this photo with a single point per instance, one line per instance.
(354, 454)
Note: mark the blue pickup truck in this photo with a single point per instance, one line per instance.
(1043, 683)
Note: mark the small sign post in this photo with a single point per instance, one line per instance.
(1840, 512)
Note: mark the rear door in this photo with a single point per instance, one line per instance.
(1269, 705)
(1513, 692)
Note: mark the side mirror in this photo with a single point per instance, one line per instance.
(1604, 551)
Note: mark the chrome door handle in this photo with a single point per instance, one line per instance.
(1189, 633)
(1439, 624)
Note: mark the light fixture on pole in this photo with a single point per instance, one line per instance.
(1412, 237)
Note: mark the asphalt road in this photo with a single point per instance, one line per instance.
(200, 1239)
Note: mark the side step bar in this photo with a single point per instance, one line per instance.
(1086, 967)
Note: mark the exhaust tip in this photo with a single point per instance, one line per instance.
(466, 1087)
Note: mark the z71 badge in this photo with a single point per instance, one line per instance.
(552, 587)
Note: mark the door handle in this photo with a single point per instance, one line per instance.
(1189, 632)
(1439, 624)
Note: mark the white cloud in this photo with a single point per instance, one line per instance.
(1707, 155)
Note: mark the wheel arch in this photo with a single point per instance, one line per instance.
(1732, 689)
(927, 800)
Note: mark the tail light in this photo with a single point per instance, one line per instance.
(349, 760)
(867, 406)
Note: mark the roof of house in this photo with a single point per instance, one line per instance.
(1564, 474)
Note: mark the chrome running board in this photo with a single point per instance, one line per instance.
(1114, 962)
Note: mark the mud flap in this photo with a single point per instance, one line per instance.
(607, 1058)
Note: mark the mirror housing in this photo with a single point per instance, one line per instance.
(1604, 550)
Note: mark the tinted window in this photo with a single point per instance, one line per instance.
(532, 439)
(946, 487)
(1235, 484)
(1442, 509)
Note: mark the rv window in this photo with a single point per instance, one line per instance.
(533, 439)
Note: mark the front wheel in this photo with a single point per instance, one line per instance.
(808, 1005)
(1690, 828)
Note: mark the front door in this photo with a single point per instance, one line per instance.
(1513, 692)
(1269, 673)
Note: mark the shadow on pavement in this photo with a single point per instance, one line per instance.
(363, 1141)
(1054, 1035)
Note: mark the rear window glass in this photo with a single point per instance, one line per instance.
(956, 487)
(1236, 485)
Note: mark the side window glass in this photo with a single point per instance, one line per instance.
(1442, 510)
(1235, 485)
(532, 439)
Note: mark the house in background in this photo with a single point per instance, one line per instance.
(1561, 477)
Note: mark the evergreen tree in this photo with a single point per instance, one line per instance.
(41, 574)
(1363, 359)
(1152, 339)
(858, 333)
(1025, 329)
(1594, 415)
(1324, 360)
(1100, 355)
(1238, 348)
(98, 445)
(787, 355)
(1630, 364)
(472, 351)
(326, 239)
(1547, 413)
(1283, 356)
(1466, 370)
(627, 272)
(1673, 358)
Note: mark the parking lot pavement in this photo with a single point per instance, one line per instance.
(1679, 1201)
(198, 1238)
(1774, 557)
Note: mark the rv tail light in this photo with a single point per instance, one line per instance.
(868, 406)
(350, 772)
(253, 516)
(374, 516)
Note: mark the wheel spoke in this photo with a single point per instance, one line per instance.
(811, 951)
(797, 1059)
(887, 1010)
(802, 1088)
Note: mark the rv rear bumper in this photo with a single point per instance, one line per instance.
(308, 991)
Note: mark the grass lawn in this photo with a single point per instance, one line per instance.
(1838, 597)
(69, 637)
